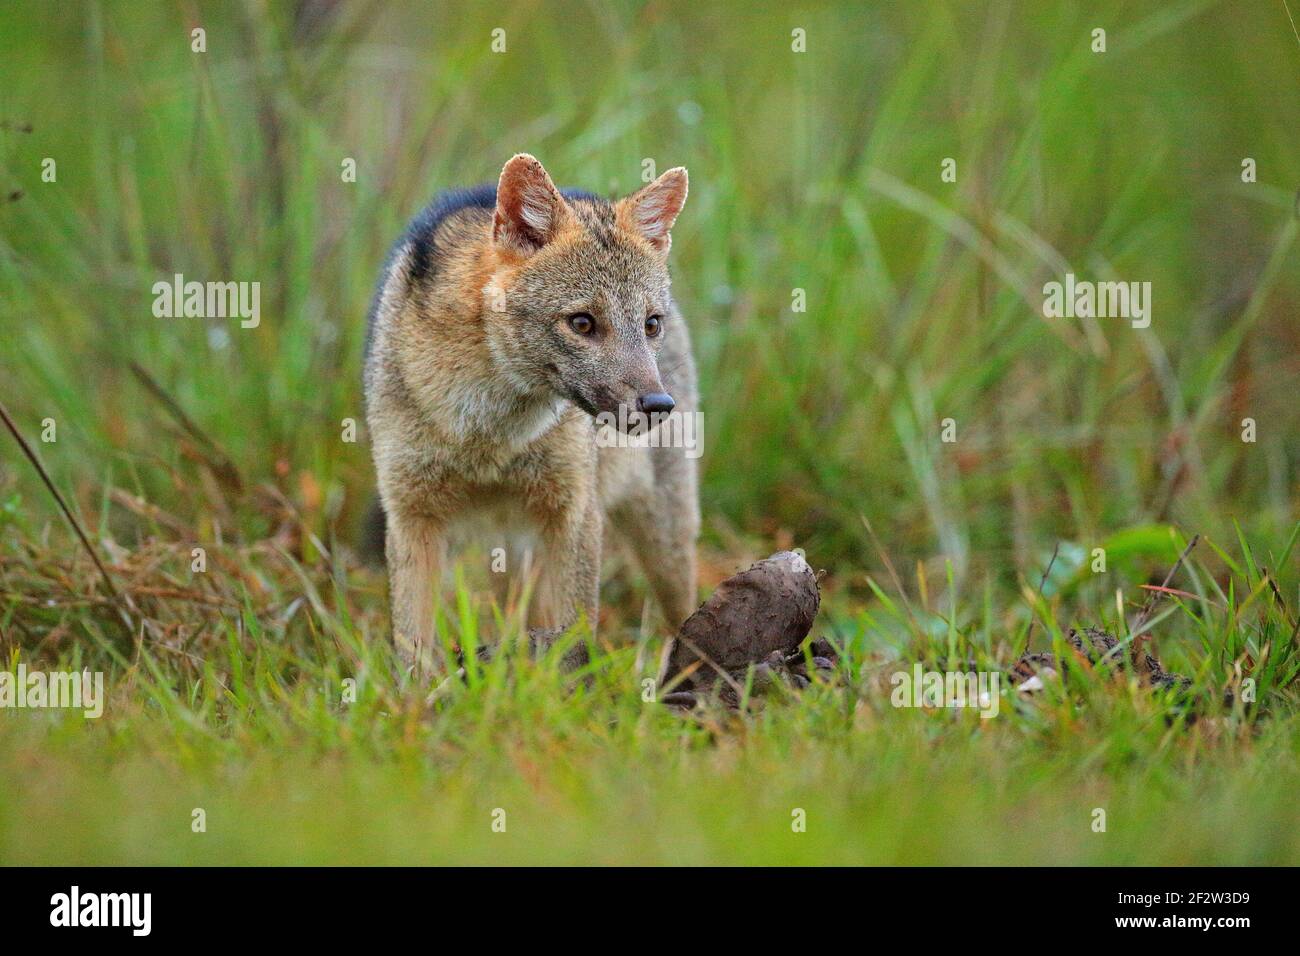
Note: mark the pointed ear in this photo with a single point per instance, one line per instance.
(530, 210)
(651, 211)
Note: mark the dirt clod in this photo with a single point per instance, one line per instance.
(1100, 650)
(757, 618)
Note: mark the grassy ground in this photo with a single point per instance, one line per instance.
(815, 171)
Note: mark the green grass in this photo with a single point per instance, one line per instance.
(816, 171)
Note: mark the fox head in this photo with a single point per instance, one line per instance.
(578, 302)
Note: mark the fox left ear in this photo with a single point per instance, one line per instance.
(651, 211)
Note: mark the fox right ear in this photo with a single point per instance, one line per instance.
(530, 210)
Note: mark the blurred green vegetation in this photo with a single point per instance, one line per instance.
(816, 171)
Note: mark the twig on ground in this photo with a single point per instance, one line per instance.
(216, 458)
(889, 566)
(1042, 582)
(1286, 613)
(1154, 599)
(151, 512)
(721, 671)
(58, 498)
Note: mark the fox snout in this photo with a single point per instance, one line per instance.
(649, 409)
(647, 402)
(655, 402)
(633, 411)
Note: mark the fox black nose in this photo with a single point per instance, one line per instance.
(653, 402)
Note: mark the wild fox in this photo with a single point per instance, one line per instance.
(504, 322)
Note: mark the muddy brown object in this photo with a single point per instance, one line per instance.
(757, 617)
(778, 675)
(1100, 649)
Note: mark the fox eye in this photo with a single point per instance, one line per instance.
(653, 326)
(582, 323)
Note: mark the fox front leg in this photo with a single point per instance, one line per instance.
(416, 551)
(568, 587)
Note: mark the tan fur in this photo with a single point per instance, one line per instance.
(480, 397)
